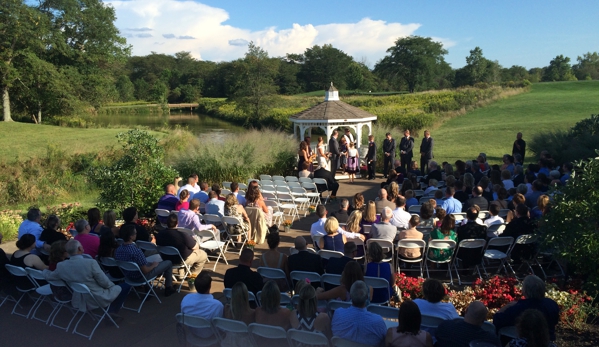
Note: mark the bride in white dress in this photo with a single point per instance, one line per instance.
(321, 156)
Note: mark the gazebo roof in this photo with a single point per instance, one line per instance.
(331, 111)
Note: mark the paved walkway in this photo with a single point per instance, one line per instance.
(155, 325)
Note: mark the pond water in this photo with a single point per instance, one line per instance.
(198, 124)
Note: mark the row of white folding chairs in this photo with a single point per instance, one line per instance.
(242, 186)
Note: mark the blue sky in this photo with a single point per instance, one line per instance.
(527, 33)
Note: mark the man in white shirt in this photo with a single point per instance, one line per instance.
(494, 219)
(202, 304)
(191, 186)
(317, 229)
(401, 218)
(235, 190)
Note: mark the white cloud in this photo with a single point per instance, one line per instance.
(200, 29)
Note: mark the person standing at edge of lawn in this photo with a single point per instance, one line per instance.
(406, 145)
(426, 150)
(388, 153)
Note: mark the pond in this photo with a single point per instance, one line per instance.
(198, 124)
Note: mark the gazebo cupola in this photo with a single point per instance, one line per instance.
(332, 114)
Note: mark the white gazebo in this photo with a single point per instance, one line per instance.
(330, 115)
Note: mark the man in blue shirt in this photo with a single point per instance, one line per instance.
(32, 226)
(202, 195)
(214, 205)
(451, 204)
(355, 323)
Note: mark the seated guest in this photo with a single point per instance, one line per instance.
(392, 191)
(506, 179)
(333, 240)
(234, 209)
(494, 218)
(272, 258)
(109, 220)
(23, 256)
(413, 234)
(408, 331)
(410, 199)
(351, 273)
(188, 248)
(331, 185)
(87, 271)
(93, 218)
(451, 204)
(318, 228)
(305, 170)
(376, 267)
(342, 214)
(108, 245)
(518, 178)
(169, 200)
(255, 199)
(532, 330)
(521, 225)
(461, 332)
(235, 191)
(128, 251)
(427, 213)
(438, 195)
(51, 233)
(336, 265)
(304, 260)
(183, 203)
(189, 219)
(433, 173)
(270, 312)
(216, 188)
(243, 273)
(543, 207)
(202, 194)
(89, 242)
(58, 253)
(472, 230)
(239, 309)
(533, 290)
(459, 192)
(202, 304)
(381, 201)
(215, 205)
(191, 186)
(501, 201)
(354, 222)
(401, 218)
(384, 230)
(369, 216)
(358, 203)
(130, 217)
(414, 169)
(516, 200)
(477, 199)
(356, 323)
(307, 317)
(533, 196)
(32, 225)
(444, 232)
(433, 292)
(432, 186)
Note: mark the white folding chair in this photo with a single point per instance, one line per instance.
(85, 292)
(210, 243)
(242, 187)
(503, 212)
(300, 338)
(162, 213)
(472, 244)
(226, 185)
(509, 331)
(418, 193)
(322, 181)
(267, 335)
(287, 202)
(333, 305)
(300, 197)
(304, 180)
(332, 280)
(388, 248)
(273, 274)
(484, 214)
(25, 291)
(277, 214)
(135, 278)
(311, 192)
(191, 323)
(388, 313)
(316, 240)
(336, 341)
(459, 216)
(213, 219)
(430, 322)
(173, 253)
(291, 179)
(227, 292)
(60, 303)
(265, 177)
(412, 243)
(225, 192)
(441, 245)
(414, 209)
(423, 200)
(313, 277)
(284, 300)
(294, 184)
(528, 240)
(495, 230)
(44, 294)
(278, 178)
(232, 222)
(281, 184)
(293, 251)
(366, 229)
(359, 242)
(494, 254)
(108, 264)
(146, 246)
(326, 254)
(228, 330)
(378, 283)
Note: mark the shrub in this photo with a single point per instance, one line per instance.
(137, 178)
(68, 213)
(9, 224)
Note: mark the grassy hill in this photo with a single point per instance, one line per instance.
(492, 129)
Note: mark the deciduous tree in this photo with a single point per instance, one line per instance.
(587, 66)
(559, 69)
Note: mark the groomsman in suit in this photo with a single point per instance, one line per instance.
(334, 152)
(406, 145)
(426, 151)
(388, 153)
(371, 157)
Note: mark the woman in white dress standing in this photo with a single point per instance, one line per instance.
(321, 155)
(353, 162)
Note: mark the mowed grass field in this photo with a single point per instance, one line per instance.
(492, 129)
(21, 141)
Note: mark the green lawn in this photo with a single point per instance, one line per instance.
(21, 141)
(492, 129)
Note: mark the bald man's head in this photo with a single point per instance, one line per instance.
(383, 193)
(476, 314)
(300, 243)
(170, 189)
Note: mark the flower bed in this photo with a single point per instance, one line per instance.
(9, 224)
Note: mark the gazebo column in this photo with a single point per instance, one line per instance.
(359, 135)
(295, 131)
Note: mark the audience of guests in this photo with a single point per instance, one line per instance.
(461, 332)
(202, 304)
(382, 202)
(192, 185)
(427, 215)
(471, 229)
(202, 194)
(494, 216)
(384, 230)
(239, 309)
(410, 199)
(270, 311)
(23, 257)
(358, 203)
(304, 260)
(376, 267)
(244, 273)
(108, 245)
(408, 333)
(369, 216)
(189, 219)
(188, 248)
(477, 199)
(58, 253)
(89, 242)
(444, 232)
(169, 200)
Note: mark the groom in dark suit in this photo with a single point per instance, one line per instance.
(426, 151)
(406, 145)
(371, 157)
(334, 152)
(388, 153)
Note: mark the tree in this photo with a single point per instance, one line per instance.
(257, 84)
(125, 88)
(559, 69)
(476, 66)
(414, 59)
(287, 77)
(323, 65)
(587, 66)
(514, 73)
